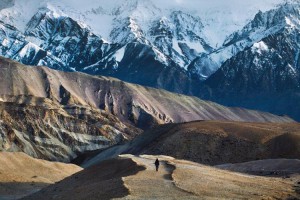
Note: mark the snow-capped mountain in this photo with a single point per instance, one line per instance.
(75, 46)
(101, 37)
(175, 45)
(263, 25)
(266, 75)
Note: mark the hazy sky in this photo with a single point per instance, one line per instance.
(215, 3)
(197, 4)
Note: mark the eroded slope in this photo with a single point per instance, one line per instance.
(134, 104)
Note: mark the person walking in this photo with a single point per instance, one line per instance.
(156, 163)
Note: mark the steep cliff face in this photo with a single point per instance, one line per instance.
(43, 129)
(14, 45)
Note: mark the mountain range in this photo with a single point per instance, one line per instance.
(198, 48)
(210, 89)
(264, 75)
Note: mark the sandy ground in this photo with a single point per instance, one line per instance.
(149, 184)
(269, 167)
(210, 183)
(99, 182)
(134, 177)
(178, 179)
(21, 175)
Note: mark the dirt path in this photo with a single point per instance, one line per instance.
(149, 184)
(178, 179)
(134, 177)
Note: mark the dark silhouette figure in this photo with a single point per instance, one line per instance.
(156, 164)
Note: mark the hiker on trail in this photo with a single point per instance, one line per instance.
(156, 164)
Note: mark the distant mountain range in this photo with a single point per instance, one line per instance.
(266, 74)
(240, 54)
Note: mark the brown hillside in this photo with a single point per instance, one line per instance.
(138, 105)
(21, 175)
(213, 142)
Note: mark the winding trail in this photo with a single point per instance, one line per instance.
(179, 179)
(135, 178)
(161, 185)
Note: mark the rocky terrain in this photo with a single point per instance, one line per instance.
(69, 93)
(203, 50)
(52, 132)
(131, 177)
(56, 36)
(57, 115)
(21, 175)
(213, 142)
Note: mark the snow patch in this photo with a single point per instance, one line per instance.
(35, 40)
(256, 61)
(160, 56)
(5, 42)
(22, 11)
(195, 45)
(292, 21)
(27, 49)
(292, 69)
(176, 47)
(56, 13)
(259, 47)
(120, 54)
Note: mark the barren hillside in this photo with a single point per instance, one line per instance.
(140, 106)
(21, 175)
(213, 142)
(57, 115)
